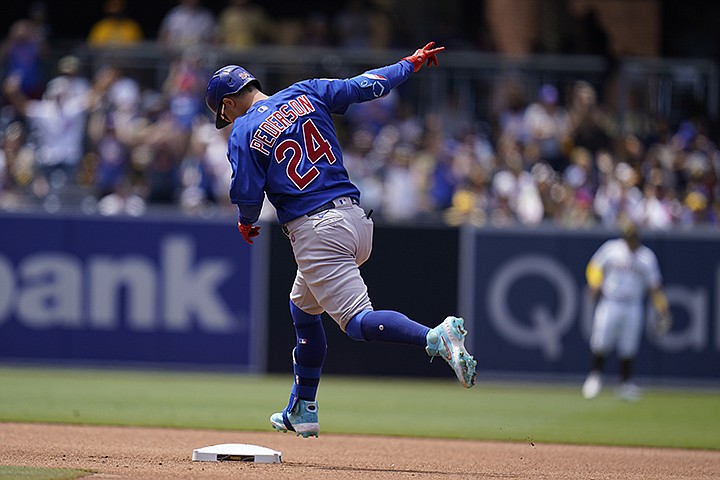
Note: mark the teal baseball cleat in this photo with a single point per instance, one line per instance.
(447, 340)
(301, 419)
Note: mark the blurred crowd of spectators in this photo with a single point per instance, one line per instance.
(560, 157)
(244, 24)
(574, 164)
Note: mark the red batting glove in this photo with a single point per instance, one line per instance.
(249, 231)
(426, 53)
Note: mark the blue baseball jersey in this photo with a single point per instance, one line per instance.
(285, 146)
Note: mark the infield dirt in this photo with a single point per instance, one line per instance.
(159, 454)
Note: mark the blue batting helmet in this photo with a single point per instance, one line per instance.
(226, 81)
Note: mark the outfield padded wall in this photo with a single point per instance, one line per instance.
(174, 291)
(149, 291)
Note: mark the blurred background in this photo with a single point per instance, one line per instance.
(543, 111)
(547, 123)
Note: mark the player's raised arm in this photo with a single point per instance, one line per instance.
(428, 54)
(375, 83)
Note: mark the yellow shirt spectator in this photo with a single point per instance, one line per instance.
(115, 29)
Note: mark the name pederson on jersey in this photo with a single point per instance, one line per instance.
(286, 147)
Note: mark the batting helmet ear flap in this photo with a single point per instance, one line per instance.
(226, 81)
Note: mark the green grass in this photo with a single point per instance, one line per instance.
(425, 408)
(30, 473)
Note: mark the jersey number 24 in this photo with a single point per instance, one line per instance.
(316, 147)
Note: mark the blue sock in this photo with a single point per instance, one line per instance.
(386, 326)
(308, 354)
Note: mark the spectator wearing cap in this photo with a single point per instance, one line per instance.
(58, 120)
(546, 123)
(69, 67)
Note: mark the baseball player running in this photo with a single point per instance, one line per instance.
(620, 272)
(285, 146)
